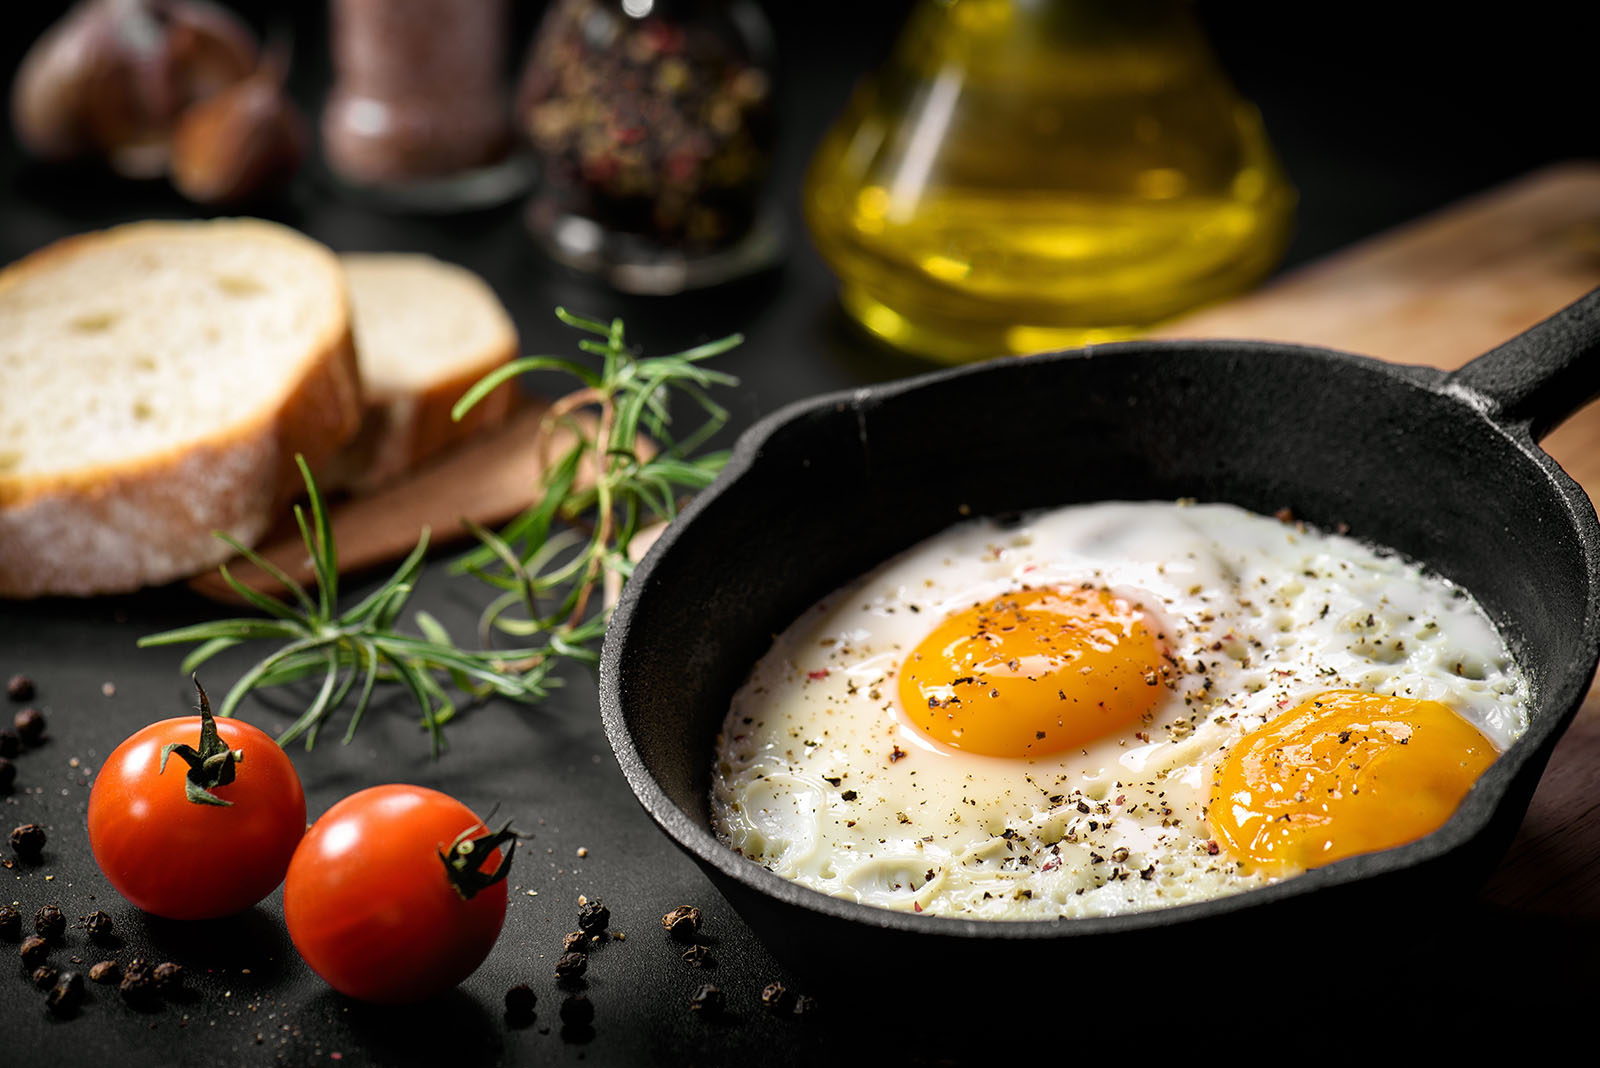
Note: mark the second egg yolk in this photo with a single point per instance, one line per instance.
(1034, 672)
(1343, 773)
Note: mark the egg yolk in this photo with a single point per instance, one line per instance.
(1344, 773)
(1034, 672)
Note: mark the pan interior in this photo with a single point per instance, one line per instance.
(835, 487)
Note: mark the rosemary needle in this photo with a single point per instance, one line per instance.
(545, 565)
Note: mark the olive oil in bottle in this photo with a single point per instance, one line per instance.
(1035, 174)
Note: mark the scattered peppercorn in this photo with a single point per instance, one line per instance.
(593, 916)
(804, 1003)
(774, 995)
(8, 775)
(708, 1000)
(44, 977)
(698, 957)
(66, 994)
(682, 922)
(98, 926)
(137, 984)
(27, 841)
(33, 951)
(575, 942)
(571, 965)
(168, 976)
(107, 971)
(30, 725)
(577, 1010)
(10, 742)
(10, 923)
(520, 1000)
(49, 922)
(19, 688)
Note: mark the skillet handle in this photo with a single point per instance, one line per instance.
(1543, 375)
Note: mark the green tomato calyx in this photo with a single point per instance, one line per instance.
(212, 765)
(463, 859)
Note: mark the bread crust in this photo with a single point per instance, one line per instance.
(115, 527)
(399, 434)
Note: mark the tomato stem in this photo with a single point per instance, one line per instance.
(463, 859)
(212, 765)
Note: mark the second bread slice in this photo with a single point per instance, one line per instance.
(425, 331)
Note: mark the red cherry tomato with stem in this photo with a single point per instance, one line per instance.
(199, 841)
(397, 893)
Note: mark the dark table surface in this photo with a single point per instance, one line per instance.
(1377, 121)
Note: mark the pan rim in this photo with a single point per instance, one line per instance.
(1557, 705)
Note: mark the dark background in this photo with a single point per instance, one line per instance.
(1379, 116)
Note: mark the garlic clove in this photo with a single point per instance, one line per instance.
(243, 143)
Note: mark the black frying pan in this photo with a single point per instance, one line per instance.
(1443, 467)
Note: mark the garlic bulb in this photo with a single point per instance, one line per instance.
(112, 77)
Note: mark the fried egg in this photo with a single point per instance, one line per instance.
(1107, 708)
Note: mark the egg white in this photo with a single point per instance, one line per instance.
(818, 777)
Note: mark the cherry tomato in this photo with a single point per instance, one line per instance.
(189, 859)
(377, 908)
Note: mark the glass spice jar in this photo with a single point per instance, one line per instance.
(419, 113)
(652, 124)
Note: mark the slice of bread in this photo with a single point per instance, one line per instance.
(156, 381)
(425, 331)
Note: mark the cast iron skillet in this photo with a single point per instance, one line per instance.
(1442, 467)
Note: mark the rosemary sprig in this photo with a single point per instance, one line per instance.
(547, 573)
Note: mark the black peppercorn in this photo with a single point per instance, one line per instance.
(8, 775)
(698, 957)
(708, 1000)
(33, 951)
(577, 1010)
(167, 976)
(575, 942)
(66, 994)
(774, 995)
(98, 926)
(571, 965)
(50, 922)
(137, 984)
(19, 688)
(682, 922)
(30, 725)
(44, 977)
(10, 742)
(593, 916)
(28, 841)
(107, 971)
(520, 1000)
(10, 923)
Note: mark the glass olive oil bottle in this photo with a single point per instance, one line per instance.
(1035, 174)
